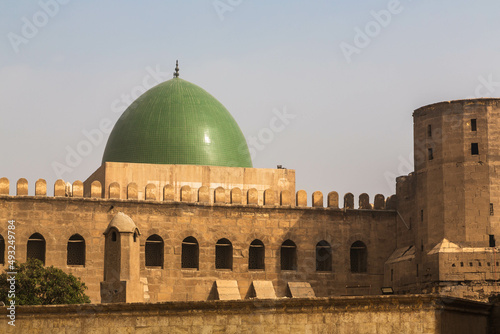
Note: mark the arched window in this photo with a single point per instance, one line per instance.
(190, 253)
(223, 254)
(2, 250)
(76, 251)
(154, 251)
(323, 256)
(288, 255)
(359, 257)
(36, 247)
(256, 255)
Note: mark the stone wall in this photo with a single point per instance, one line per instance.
(364, 315)
(59, 218)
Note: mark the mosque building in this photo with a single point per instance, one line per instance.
(176, 212)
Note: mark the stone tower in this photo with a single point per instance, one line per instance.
(121, 262)
(448, 225)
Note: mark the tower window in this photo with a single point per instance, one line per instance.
(256, 255)
(429, 131)
(190, 253)
(492, 240)
(474, 149)
(359, 257)
(154, 251)
(473, 125)
(223, 254)
(323, 256)
(492, 213)
(76, 251)
(430, 154)
(288, 255)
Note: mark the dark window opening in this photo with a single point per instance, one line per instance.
(36, 247)
(288, 255)
(429, 130)
(491, 210)
(421, 215)
(430, 154)
(135, 236)
(323, 256)
(359, 257)
(256, 255)
(2, 250)
(223, 254)
(417, 268)
(113, 236)
(392, 275)
(474, 148)
(190, 253)
(76, 251)
(154, 251)
(473, 124)
(461, 264)
(492, 240)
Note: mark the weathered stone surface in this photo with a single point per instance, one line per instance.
(78, 189)
(253, 196)
(168, 193)
(132, 191)
(263, 290)
(114, 190)
(301, 198)
(4, 186)
(150, 192)
(269, 197)
(379, 202)
(186, 194)
(227, 290)
(41, 187)
(333, 200)
(285, 198)
(348, 201)
(22, 187)
(96, 189)
(220, 195)
(364, 201)
(317, 199)
(300, 290)
(59, 188)
(236, 196)
(203, 194)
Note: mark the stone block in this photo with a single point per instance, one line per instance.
(168, 193)
(301, 198)
(252, 196)
(4, 186)
(22, 187)
(364, 201)
(96, 189)
(236, 196)
(150, 193)
(132, 191)
(59, 188)
(262, 290)
(317, 199)
(333, 200)
(285, 197)
(220, 195)
(41, 187)
(300, 290)
(348, 201)
(114, 190)
(185, 194)
(227, 290)
(78, 189)
(269, 197)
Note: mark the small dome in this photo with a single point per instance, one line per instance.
(122, 223)
(177, 122)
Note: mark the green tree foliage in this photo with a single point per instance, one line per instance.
(39, 285)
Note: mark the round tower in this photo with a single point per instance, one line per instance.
(457, 167)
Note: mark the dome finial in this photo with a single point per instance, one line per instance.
(176, 73)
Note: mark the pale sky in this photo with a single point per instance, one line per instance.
(348, 75)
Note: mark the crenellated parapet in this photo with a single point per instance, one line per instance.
(202, 195)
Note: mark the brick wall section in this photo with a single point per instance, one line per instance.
(57, 219)
(381, 314)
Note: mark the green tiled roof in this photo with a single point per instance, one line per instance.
(177, 122)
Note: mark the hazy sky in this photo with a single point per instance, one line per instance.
(348, 75)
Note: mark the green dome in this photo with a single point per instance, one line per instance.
(177, 122)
